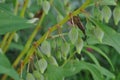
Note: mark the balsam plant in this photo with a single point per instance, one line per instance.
(59, 39)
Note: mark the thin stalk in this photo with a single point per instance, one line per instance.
(4, 40)
(28, 43)
(5, 48)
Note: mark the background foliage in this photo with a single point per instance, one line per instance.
(59, 39)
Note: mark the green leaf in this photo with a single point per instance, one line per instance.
(92, 57)
(106, 12)
(111, 37)
(74, 67)
(6, 68)
(73, 35)
(116, 15)
(46, 6)
(103, 54)
(30, 76)
(10, 22)
(54, 73)
(46, 48)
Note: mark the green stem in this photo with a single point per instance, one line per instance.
(53, 28)
(5, 48)
(27, 45)
(4, 40)
(24, 8)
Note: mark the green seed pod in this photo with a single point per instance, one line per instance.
(116, 15)
(16, 37)
(30, 76)
(59, 18)
(65, 50)
(99, 34)
(52, 60)
(79, 45)
(42, 64)
(38, 76)
(106, 12)
(73, 35)
(97, 14)
(46, 48)
(46, 6)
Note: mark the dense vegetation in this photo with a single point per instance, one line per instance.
(59, 39)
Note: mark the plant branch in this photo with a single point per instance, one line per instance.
(53, 28)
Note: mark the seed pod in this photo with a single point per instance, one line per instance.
(30, 76)
(106, 12)
(65, 50)
(52, 60)
(46, 48)
(79, 45)
(99, 34)
(116, 15)
(73, 35)
(46, 6)
(42, 64)
(38, 76)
